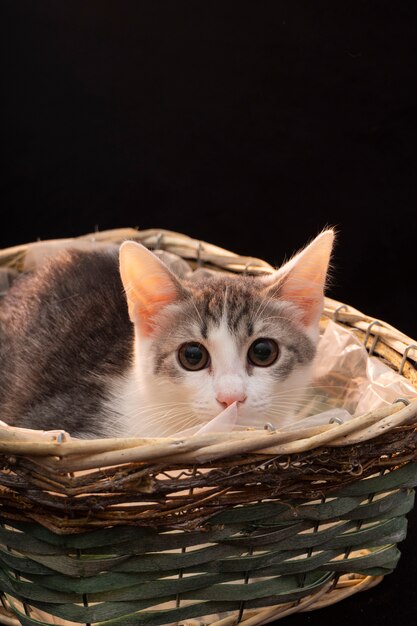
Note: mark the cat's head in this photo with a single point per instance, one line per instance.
(208, 340)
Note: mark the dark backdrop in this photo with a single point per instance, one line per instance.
(248, 124)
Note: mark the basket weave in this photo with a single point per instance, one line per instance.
(165, 531)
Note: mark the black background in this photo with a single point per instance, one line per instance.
(251, 125)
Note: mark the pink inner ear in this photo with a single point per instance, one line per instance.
(148, 283)
(155, 293)
(302, 280)
(306, 296)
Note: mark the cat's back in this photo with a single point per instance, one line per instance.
(64, 333)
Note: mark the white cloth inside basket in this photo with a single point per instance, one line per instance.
(362, 383)
(370, 383)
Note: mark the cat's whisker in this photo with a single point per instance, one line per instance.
(261, 308)
(178, 424)
(164, 404)
(158, 417)
(140, 410)
(275, 317)
(286, 403)
(146, 416)
(308, 387)
(290, 400)
(197, 311)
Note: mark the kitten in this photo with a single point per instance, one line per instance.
(101, 343)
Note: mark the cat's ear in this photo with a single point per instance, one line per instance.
(148, 283)
(302, 280)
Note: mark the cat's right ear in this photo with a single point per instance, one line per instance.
(148, 283)
(302, 280)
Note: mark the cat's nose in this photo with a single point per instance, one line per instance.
(226, 399)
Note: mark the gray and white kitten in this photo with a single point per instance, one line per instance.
(105, 344)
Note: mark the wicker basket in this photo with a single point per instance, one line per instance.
(165, 531)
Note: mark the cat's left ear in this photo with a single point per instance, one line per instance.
(148, 283)
(302, 280)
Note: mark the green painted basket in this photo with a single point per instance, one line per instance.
(207, 529)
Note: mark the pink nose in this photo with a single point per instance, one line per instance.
(228, 398)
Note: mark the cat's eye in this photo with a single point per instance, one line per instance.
(193, 356)
(263, 352)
